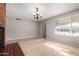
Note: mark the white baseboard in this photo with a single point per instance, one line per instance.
(18, 40)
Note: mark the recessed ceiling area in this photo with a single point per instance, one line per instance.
(25, 10)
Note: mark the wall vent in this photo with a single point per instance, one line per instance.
(18, 19)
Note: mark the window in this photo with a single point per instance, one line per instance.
(68, 26)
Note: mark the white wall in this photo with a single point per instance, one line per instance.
(20, 29)
(42, 28)
(50, 28)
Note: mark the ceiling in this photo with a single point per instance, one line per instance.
(25, 10)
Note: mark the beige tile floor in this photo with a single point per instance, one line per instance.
(42, 47)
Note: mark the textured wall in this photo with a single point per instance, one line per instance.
(2, 14)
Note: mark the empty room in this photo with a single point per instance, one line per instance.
(39, 29)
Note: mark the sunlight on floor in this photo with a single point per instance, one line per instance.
(42, 47)
(59, 49)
